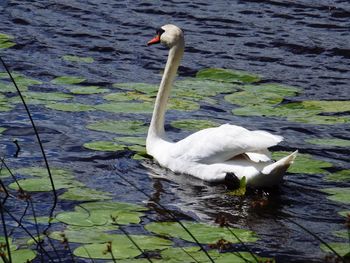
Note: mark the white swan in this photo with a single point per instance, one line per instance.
(222, 154)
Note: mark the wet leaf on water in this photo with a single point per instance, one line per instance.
(67, 80)
(193, 124)
(243, 98)
(194, 254)
(338, 194)
(129, 96)
(131, 140)
(43, 184)
(340, 176)
(6, 41)
(108, 146)
(81, 217)
(102, 213)
(198, 89)
(84, 194)
(120, 127)
(70, 107)
(17, 255)
(85, 234)
(227, 75)
(140, 87)
(126, 107)
(328, 105)
(22, 255)
(21, 80)
(204, 233)
(36, 171)
(42, 97)
(304, 163)
(87, 90)
(73, 58)
(282, 90)
(113, 206)
(122, 247)
(182, 105)
(330, 142)
(341, 248)
(10, 88)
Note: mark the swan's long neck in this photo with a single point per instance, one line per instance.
(156, 128)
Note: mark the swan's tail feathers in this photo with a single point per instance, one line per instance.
(281, 166)
(272, 174)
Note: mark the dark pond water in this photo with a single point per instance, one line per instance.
(302, 43)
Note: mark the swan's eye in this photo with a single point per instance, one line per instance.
(160, 31)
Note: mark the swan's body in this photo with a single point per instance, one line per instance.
(214, 154)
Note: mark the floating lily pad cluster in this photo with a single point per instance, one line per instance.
(19, 255)
(95, 227)
(38, 181)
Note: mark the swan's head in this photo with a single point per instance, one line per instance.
(168, 35)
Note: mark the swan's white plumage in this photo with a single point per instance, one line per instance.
(211, 153)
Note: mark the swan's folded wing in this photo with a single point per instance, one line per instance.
(223, 143)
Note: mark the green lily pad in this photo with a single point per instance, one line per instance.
(84, 194)
(342, 249)
(81, 217)
(330, 142)
(108, 146)
(338, 194)
(320, 119)
(72, 58)
(113, 206)
(22, 255)
(122, 247)
(243, 98)
(36, 171)
(4, 173)
(340, 176)
(132, 140)
(42, 97)
(10, 88)
(86, 90)
(195, 255)
(204, 233)
(67, 80)
(43, 184)
(102, 213)
(6, 41)
(304, 163)
(21, 80)
(198, 89)
(328, 106)
(17, 255)
(140, 87)
(128, 107)
(227, 75)
(182, 105)
(129, 96)
(70, 107)
(84, 234)
(193, 125)
(120, 127)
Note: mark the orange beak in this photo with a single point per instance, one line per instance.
(154, 40)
